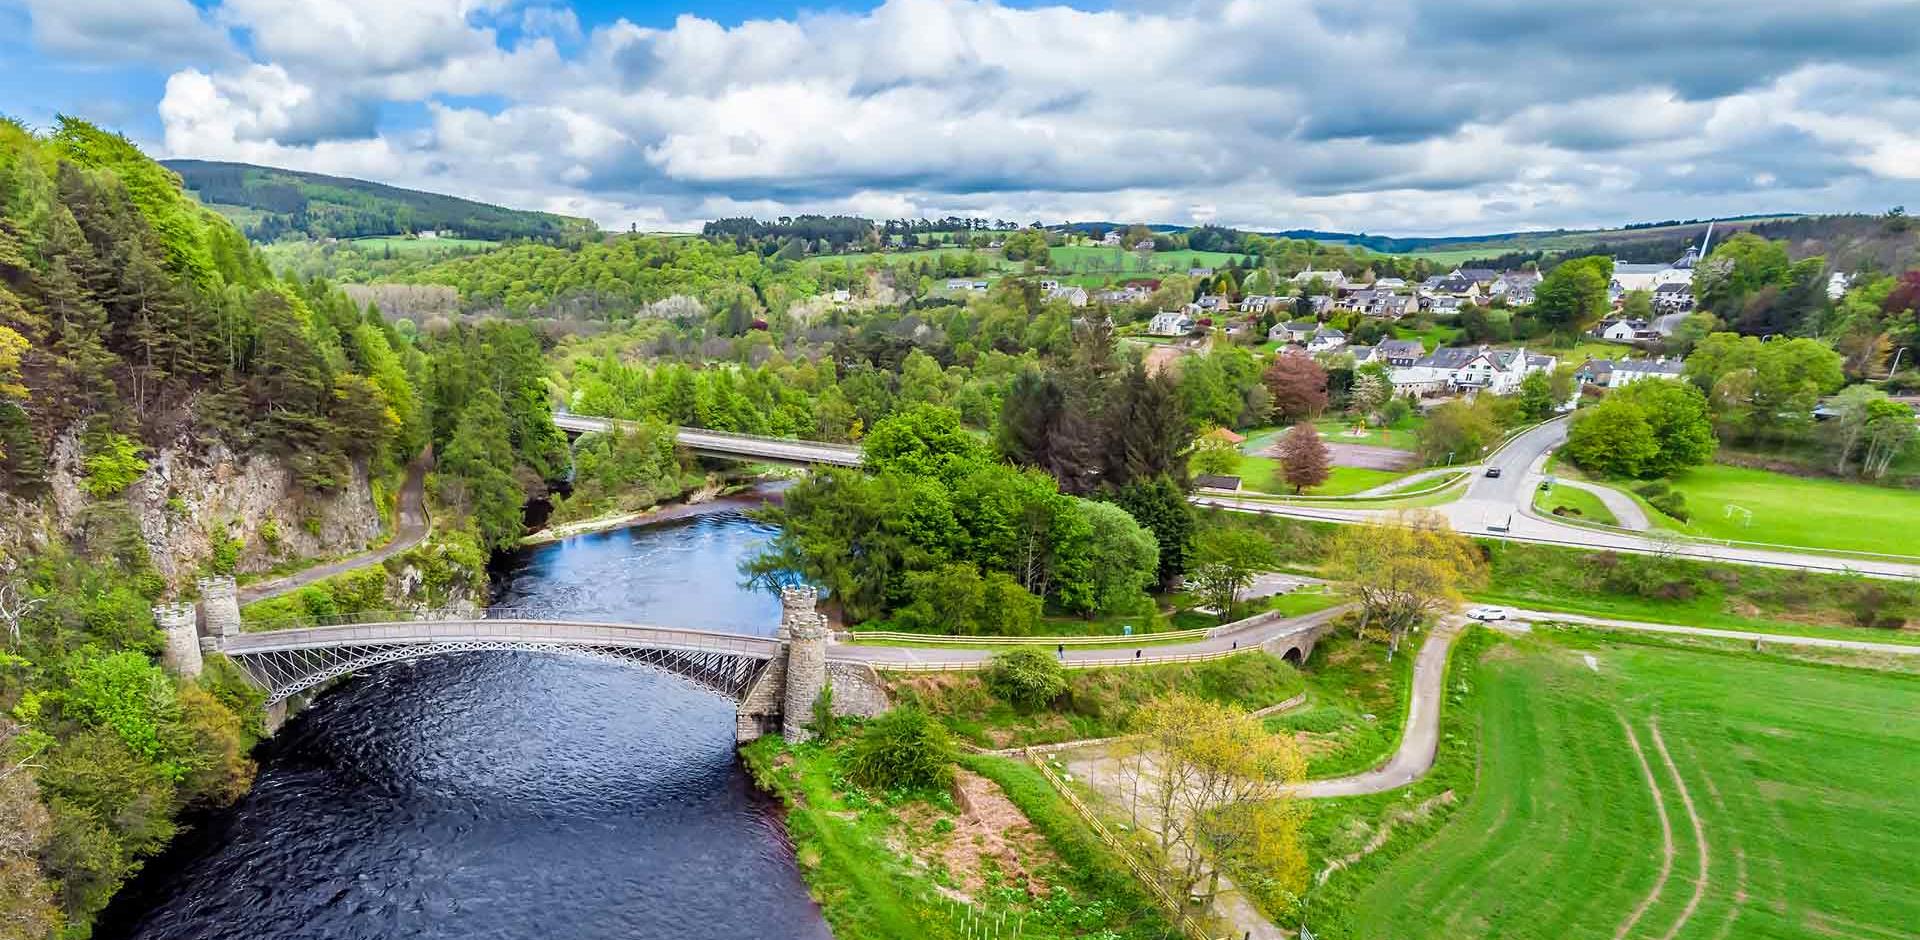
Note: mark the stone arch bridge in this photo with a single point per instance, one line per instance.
(773, 681)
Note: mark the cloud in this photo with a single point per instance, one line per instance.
(162, 32)
(1420, 116)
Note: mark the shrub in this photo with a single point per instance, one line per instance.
(1027, 676)
(904, 749)
(1672, 503)
(112, 461)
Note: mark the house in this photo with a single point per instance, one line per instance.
(1454, 286)
(1199, 272)
(1360, 301)
(1170, 323)
(1362, 354)
(1469, 369)
(1673, 296)
(1214, 302)
(1326, 339)
(842, 296)
(1074, 296)
(1333, 279)
(1131, 294)
(1320, 304)
(1296, 332)
(1390, 283)
(1630, 276)
(1399, 352)
(1260, 303)
(1395, 306)
(1626, 331)
(1111, 239)
(1614, 373)
(1483, 277)
(961, 283)
(1226, 434)
(1516, 287)
(1215, 481)
(1144, 244)
(1444, 303)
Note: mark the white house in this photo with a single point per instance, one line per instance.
(1614, 373)
(1332, 278)
(1296, 332)
(1259, 303)
(1626, 331)
(1170, 323)
(1111, 239)
(1326, 339)
(1498, 371)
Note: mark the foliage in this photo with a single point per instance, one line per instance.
(1297, 387)
(903, 749)
(319, 206)
(1305, 459)
(1404, 570)
(112, 461)
(1460, 431)
(1027, 676)
(1213, 454)
(1226, 558)
(1573, 296)
(1160, 506)
(1647, 429)
(1763, 390)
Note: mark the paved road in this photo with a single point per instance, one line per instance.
(413, 526)
(1627, 514)
(1508, 498)
(1421, 740)
(1247, 635)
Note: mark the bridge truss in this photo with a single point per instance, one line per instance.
(285, 672)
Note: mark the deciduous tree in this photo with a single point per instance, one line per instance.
(1305, 458)
(1226, 559)
(1298, 387)
(1404, 570)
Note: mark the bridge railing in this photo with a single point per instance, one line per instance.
(410, 616)
(852, 450)
(527, 630)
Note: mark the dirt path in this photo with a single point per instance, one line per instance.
(1699, 834)
(1666, 835)
(1421, 740)
(412, 527)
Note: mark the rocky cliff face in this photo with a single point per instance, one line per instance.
(198, 501)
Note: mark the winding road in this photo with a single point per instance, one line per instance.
(1420, 741)
(412, 526)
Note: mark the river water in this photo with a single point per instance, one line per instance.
(511, 796)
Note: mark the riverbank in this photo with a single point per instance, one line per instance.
(709, 498)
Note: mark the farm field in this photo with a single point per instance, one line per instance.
(1791, 510)
(419, 246)
(1645, 791)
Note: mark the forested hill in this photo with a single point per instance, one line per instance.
(270, 202)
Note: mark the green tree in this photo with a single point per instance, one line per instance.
(1226, 560)
(904, 749)
(1535, 396)
(1613, 438)
(1161, 506)
(1573, 296)
(474, 474)
(1123, 558)
(1026, 676)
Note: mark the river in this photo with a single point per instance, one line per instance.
(511, 796)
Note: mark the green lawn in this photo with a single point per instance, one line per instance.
(1802, 778)
(1434, 336)
(1399, 436)
(1263, 474)
(1573, 502)
(1791, 510)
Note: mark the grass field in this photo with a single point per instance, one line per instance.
(1578, 503)
(1263, 474)
(419, 246)
(1791, 510)
(1654, 792)
(1434, 336)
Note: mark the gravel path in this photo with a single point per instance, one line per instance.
(413, 526)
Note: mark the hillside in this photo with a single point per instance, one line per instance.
(269, 202)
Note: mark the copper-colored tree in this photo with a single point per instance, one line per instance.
(1304, 456)
(1298, 386)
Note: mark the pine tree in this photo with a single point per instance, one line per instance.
(474, 471)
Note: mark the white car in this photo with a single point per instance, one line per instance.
(1488, 613)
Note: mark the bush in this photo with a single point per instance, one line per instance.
(1672, 503)
(112, 461)
(904, 749)
(1028, 677)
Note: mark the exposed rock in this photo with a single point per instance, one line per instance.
(192, 499)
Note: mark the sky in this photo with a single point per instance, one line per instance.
(1403, 117)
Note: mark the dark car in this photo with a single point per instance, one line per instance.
(1493, 471)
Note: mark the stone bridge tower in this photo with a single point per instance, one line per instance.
(805, 631)
(220, 605)
(182, 629)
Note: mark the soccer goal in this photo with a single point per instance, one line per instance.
(1741, 514)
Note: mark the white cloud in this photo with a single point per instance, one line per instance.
(1262, 113)
(117, 31)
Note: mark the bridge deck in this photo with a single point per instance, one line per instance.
(744, 446)
(527, 631)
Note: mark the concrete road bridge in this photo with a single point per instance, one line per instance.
(731, 446)
(773, 681)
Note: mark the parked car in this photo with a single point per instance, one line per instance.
(1493, 471)
(1488, 614)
